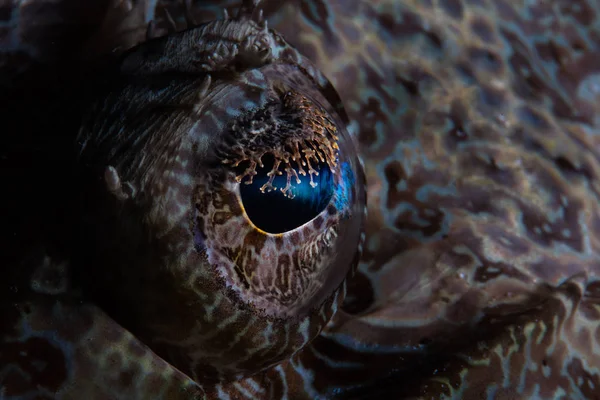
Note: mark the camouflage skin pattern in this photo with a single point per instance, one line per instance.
(476, 126)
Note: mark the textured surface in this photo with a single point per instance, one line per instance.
(477, 126)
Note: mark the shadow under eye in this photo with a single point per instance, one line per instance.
(277, 212)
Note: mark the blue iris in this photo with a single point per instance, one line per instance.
(343, 193)
(274, 212)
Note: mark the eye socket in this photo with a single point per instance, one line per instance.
(276, 211)
(215, 276)
(290, 144)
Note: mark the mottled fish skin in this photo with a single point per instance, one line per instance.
(477, 125)
(477, 128)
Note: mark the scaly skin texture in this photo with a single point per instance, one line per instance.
(476, 123)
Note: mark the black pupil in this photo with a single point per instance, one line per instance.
(274, 212)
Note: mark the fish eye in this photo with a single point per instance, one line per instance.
(280, 191)
(226, 203)
(288, 179)
(276, 211)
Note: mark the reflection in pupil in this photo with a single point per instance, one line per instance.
(273, 211)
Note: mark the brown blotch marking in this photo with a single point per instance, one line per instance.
(434, 218)
(279, 242)
(466, 308)
(490, 168)
(218, 200)
(371, 113)
(245, 266)
(535, 218)
(435, 39)
(453, 8)
(528, 84)
(482, 28)
(568, 169)
(407, 25)
(221, 217)
(240, 260)
(458, 259)
(422, 211)
(493, 98)
(479, 200)
(154, 382)
(592, 290)
(350, 32)
(457, 132)
(44, 364)
(199, 234)
(114, 359)
(485, 59)
(465, 72)
(576, 369)
(595, 226)
(319, 17)
(255, 239)
(284, 271)
(235, 206)
(479, 3)
(127, 375)
(533, 118)
(589, 310)
(517, 246)
(202, 201)
(423, 78)
(411, 87)
(377, 80)
(504, 269)
(96, 346)
(277, 388)
(580, 10)
(536, 225)
(331, 210)
(135, 349)
(487, 273)
(435, 119)
(112, 335)
(552, 51)
(298, 261)
(565, 166)
(270, 354)
(549, 269)
(394, 173)
(318, 222)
